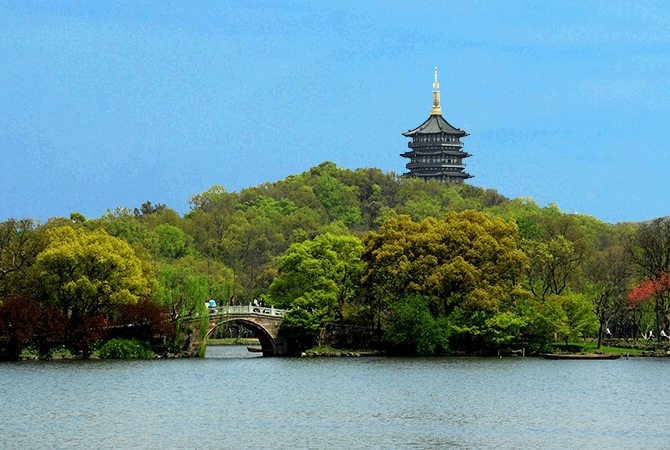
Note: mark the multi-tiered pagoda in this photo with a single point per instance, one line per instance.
(436, 150)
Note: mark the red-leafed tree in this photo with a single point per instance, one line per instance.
(145, 320)
(17, 318)
(649, 250)
(652, 293)
(646, 289)
(83, 331)
(50, 330)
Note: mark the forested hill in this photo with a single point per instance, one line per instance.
(240, 235)
(462, 268)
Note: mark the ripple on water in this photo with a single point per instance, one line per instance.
(235, 399)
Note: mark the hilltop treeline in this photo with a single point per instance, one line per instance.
(441, 268)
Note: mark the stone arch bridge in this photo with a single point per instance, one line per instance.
(264, 322)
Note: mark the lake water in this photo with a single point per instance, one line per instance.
(234, 399)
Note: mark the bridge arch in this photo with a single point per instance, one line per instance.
(264, 323)
(267, 341)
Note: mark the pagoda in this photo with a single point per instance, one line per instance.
(436, 150)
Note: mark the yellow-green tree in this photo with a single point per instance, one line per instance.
(90, 272)
(465, 260)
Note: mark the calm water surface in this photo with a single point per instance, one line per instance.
(237, 400)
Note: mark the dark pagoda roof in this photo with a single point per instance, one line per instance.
(435, 124)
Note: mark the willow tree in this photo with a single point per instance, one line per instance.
(183, 291)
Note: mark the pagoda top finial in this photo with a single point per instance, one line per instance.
(436, 111)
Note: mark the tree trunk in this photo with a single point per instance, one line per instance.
(600, 335)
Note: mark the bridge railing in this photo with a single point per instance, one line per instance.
(248, 309)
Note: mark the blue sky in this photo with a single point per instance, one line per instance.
(115, 103)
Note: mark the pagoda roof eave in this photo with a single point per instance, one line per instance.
(435, 124)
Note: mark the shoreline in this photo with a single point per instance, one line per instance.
(229, 341)
(355, 354)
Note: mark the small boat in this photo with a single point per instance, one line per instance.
(582, 356)
(254, 349)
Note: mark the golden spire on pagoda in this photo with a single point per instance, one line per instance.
(436, 111)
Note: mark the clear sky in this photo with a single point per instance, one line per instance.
(115, 103)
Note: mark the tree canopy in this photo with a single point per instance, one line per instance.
(91, 272)
(463, 260)
(321, 273)
(362, 247)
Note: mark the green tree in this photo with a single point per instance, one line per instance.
(77, 217)
(420, 199)
(208, 222)
(249, 245)
(413, 330)
(556, 256)
(321, 275)
(548, 318)
(506, 328)
(20, 243)
(580, 318)
(172, 242)
(608, 274)
(301, 328)
(340, 201)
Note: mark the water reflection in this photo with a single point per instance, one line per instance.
(231, 352)
(237, 399)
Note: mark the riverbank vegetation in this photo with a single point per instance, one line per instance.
(614, 346)
(437, 269)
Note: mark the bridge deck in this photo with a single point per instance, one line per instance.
(248, 309)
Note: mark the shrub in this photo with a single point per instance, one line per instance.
(537, 346)
(413, 331)
(126, 349)
(300, 328)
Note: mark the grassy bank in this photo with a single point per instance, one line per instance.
(591, 347)
(327, 350)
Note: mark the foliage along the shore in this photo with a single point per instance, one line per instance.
(442, 268)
